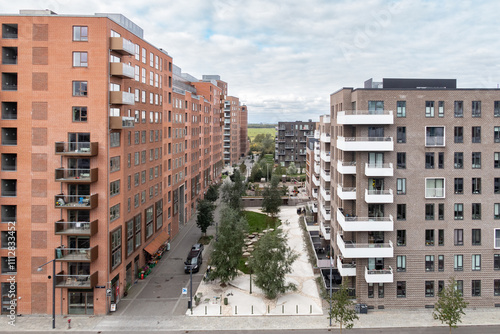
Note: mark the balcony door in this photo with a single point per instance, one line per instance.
(81, 302)
(375, 131)
(375, 263)
(375, 159)
(375, 210)
(376, 184)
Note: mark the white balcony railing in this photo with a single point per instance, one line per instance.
(351, 223)
(379, 196)
(325, 137)
(346, 167)
(325, 175)
(325, 230)
(325, 194)
(352, 250)
(386, 169)
(366, 117)
(379, 275)
(325, 213)
(316, 168)
(346, 269)
(361, 144)
(315, 193)
(325, 156)
(346, 193)
(315, 180)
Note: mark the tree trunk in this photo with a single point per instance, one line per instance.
(450, 329)
(341, 327)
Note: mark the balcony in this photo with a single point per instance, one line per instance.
(122, 46)
(325, 175)
(346, 193)
(85, 149)
(364, 224)
(76, 175)
(289, 134)
(365, 117)
(76, 281)
(325, 137)
(81, 202)
(379, 276)
(353, 250)
(315, 180)
(346, 269)
(315, 193)
(325, 213)
(346, 167)
(325, 230)
(379, 169)
(314, 207)
(362, 144)
(86, 229)
(122, 70)
(76, 254)
(325, 156)
(316, 134)
(119, 97)
(316, 168)
(325, 194)
(121, 122)
(379, 196)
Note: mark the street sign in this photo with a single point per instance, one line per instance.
(184, 291)
(108, 292)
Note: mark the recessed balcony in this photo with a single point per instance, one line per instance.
(76, 254)
(315, 180)
(325, 194)
(325, 213)
(289, 134)
(81, 202)
(350, 249)
(325, 156)
(379, 275)
(346, 193)
(122, 46)
(316, 168)
(80, 149)
(74, 175)
(325, 137)
(379, 196)
(76, 281)
(87, 229)
(121, 122)
(364, 224)
(383, 170)
(315, 192)
(362, 144)
(325, 230)
(365, 117)
(346, 167)
(122, 70)
(119, 97)
(325, 175)
(346, 268)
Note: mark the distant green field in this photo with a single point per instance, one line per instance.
(252, 132)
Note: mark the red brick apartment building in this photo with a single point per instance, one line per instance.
(409, 181)
(103, 156)
(235, 130)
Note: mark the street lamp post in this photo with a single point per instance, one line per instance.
(331, 273)
(53, 289)
(191, 289)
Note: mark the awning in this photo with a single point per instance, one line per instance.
(159, 240)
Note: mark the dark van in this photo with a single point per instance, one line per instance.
(193, 261)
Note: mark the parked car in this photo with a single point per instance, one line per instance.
(193, 261)
(198, 247)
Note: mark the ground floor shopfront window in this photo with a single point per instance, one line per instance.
(81, 302)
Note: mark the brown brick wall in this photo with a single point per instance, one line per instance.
(40, 56)
(38, 239)
(39, 136)
(38, 298)
(38, 188)
(38, 213)
(40, 81)
(40, 32)
(38, 162)
(39, 111)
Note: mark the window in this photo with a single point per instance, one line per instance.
(114, 212)
(401, 134)
(79, 88)
(476, 108)
(458, 262)
(459, 109)
(80, 33)
(496, 109)
(114, 164)
(114, 188)
(401, 186)
(441, 109)
(429, 108)
(496, 261)
(496, 160)
(459, 134)
(476, 185)
(114, 139)
(434, 136)
(130, 237)
(401, 263)
(138, 227)
(429, 237)
(370, 290)
(429, 288)
(458, 158)
(429, 263)
(458, 237)
(460, 286)
(80, 59)
(79, 114)
(136, 179)
(434, 188)
(401, 237)
(496, 211)
(401, 109)
(440, 286)
(496, 287)
(401, 289)
(497, 238)
(375, 107)
(496, 185)
(116, 247)
(429, 212)
(440, 237)
(459, 185)
(401, 160)
(440, 160)
(144, 55)
(143, 137)
(496, 134)
(476, 211)
(476, 134)
(381, 290)
(429, 160)
(476, 160)
(401, 212)
(476, 262)
(459, 211)
(137, 77)
(440, 262)
(149, 222)
(476, 288)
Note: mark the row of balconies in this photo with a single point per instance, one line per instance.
(365, 117)
(360, 144)
(371, 196)
(76, 254)
(351, 223)
(76, 281)
(349, 167)
(348, 268)
(352, 250)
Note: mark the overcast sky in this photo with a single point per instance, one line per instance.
(284, 58)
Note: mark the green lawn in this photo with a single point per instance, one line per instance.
(252, 132)
(257, 222)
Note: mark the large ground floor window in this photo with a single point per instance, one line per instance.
(81, 302)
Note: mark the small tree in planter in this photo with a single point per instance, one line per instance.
(342, 307)
(450, 306)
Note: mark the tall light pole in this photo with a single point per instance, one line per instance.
(191, 288)
(331, 288)
(53, 289)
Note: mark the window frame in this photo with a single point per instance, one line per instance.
(82, 37)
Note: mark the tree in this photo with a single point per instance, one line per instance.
(256, 173)
(271, 201)
(232, 189)
(342, 307)
(205, 216)
(212, 193)
(272, 260)
(243, 168)
(229, 247)
(450, 306)
(292, 170)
